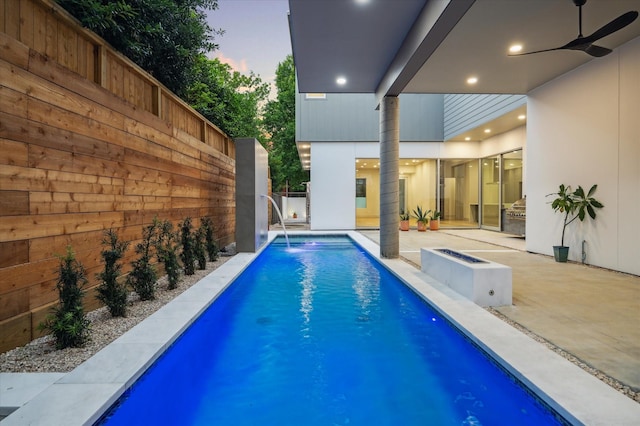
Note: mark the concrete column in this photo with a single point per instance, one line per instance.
(389, 177)
(252, 218)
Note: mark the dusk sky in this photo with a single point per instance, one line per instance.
(256, 35)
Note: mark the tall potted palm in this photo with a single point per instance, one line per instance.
(575, 205)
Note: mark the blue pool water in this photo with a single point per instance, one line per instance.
(322, 334)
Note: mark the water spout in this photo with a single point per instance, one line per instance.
(273, 202)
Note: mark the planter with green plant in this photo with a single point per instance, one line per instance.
(422, 217)
(575, 205)
(404, 221)
(434, 221)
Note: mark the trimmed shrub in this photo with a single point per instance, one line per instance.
(210, 241)
(200, 249)
(110, 292)
(143, 276)
(188, 242)
(67, 322)
(167, 251)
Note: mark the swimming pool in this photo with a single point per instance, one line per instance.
(323, 334)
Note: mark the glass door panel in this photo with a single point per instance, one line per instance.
(459, 193)
(490, 192)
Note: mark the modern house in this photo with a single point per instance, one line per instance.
(419, 103)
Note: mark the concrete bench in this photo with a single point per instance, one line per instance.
(484, 282)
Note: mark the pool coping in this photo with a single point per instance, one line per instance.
(81, 396)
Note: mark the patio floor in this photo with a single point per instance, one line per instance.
(589, 312)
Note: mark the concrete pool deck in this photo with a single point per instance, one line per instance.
(591, 313)
(80, 396)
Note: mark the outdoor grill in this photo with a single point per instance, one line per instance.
(514, 217)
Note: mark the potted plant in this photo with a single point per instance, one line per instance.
(575, 205)
(404, 221)
(422, 217)
(434, 221)
(294, 215)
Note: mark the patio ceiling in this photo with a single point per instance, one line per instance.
(432, 46)
(388, 47)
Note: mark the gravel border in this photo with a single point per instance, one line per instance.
(41, 355)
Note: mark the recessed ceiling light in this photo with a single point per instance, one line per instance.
(357, 161)
(362, 1)
(467, 138)
(522, 117)
(341, 81)
(472, 80)
(487, 130)
(515, 48)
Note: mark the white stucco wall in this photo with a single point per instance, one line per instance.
(584, 129)
(333, 186)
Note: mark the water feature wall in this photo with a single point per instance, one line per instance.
(252, 173)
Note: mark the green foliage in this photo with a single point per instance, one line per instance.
(210, 240)
(188, 241)
(421, 215)
(227, 98)
(435, 215)
(279, 123)
(68, 323)
(166, 245)
(200, 248)
(575, 205)
(404, 216)
(110, 292)
(143, 276)
(164, 37)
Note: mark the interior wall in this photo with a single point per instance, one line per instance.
(583, 129)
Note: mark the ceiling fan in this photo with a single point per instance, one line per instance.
(585, 44)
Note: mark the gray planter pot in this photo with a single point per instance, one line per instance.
(561, 253)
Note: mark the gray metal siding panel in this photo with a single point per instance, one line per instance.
(464, 112)
(353, 117)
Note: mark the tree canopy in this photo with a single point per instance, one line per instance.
(227, 98)
(164, 37)
(280, 126)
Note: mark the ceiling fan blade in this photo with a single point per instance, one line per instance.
(597, 51)
(617, 24)
(535, 51)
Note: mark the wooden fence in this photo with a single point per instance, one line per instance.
(89, 142)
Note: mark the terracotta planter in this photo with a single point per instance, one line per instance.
(404, 225)
(422, 226)
(434, 225)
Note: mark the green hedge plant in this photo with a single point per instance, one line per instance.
(210, 241)
(112, 291)
(67, 322)
(167, 252)
(143, 276)
(188, 242)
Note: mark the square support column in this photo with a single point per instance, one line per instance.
(252, 188)
(389, 177)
